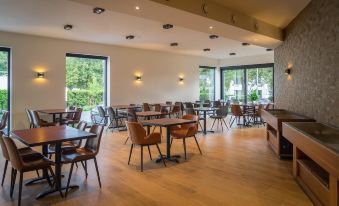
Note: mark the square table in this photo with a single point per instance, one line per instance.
(51, 135)
(167, 123)
(204, 110)
(54, 112)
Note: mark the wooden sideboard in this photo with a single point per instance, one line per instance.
(315, 160)
(274, 118)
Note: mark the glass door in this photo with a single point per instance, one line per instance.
(233, 85)
(4, 83)
(260, 84)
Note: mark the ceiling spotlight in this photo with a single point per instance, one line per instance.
(167, 26)
(269, 49)
(68, 27)
(213, 36)
(137, 8)
(232, 54)
(174, 44)
(207, 49)
(211, 27)
(130, 37)
(245, 44)
(98, 10)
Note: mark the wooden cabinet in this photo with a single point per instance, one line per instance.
(274, 118)
(315, 160)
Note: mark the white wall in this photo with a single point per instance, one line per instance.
(248, 60)
(160, 73)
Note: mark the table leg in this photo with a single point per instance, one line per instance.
(168, 156)
(205, 117)
(148, 127)
(54, 119)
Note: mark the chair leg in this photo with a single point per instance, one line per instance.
(162, 158)
(3, 176)
(13, 181)
(85, 168)
(48, 178)
(50, 156)
(142, 159)
(69, 179)
(97, 169)
(20, 188)
(213, 124)
(184, 143)
(196, 141)
(149, 151)
(57, 183)
(37, 173)
(225, 124)
(126, 139)
(171, 142)
(130, 154)
(76, 165)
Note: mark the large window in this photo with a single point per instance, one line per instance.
(86, 82)
(248, 83)
(4, 82)
(206, 83)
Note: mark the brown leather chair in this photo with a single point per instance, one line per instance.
(4, 120)
(146, 107)
(237, 113)
(139, 137)
(217, 104)
(30, 118)
(74, 119)
(186, 131)
(82, 154)
(38, 122)
(175, 111)
(131, 117)
(26, 164)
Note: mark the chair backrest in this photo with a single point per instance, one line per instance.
(131, 115)
(207, 103)
(146, 107)
(82, 125)
(70, 115)
(236, 110)
(191, 117)
(111, 113)
(169, 102)
(190, 111)
(3, 147)
(77, 114)
(217, 104)
(137, 132)
(188, 105)
(94, 143)
(175, 109)
(101, 111)
(13, 153)
(29, 117)
(222, 111)
(4, 120)
(157, 108)
(36, 118)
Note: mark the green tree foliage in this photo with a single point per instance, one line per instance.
(206, 84)
(85, 83)
(3, 72)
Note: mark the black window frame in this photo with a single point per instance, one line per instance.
(213, 68)
(8, 50)
(88, 56)
(245, 69)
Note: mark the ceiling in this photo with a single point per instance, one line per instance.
(276, 12)
(47, 17)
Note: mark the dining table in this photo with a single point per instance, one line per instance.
(167, 123)
(55, 135)
(204, 111)
(55, 112)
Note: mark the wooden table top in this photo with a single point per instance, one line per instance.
(56, 111)
(50, 135)
(148, 114)
(165, 122)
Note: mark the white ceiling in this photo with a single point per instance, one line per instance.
(47, 17)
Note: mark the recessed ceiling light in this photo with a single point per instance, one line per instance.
(211, 27)
(245, 44)
(137, 8)
(167, 26)
(130, 37)
(174, 44)
(68, 27)
(98, 10)
(213, 36)
(207, 49)
(269, 49)
(232, 54)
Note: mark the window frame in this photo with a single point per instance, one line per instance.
(8, 50)
(245, 68)
(212, 68)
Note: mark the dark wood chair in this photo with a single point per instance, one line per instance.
(74, 118)
(185, 131)
(237, 114)
(82, 154)
(175, 111)
(24, 164)
(139, 137)
(146, 107)
(38, 122)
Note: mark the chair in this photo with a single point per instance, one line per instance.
(181, 106)
(139, 137)
(217, 104)
(74, 118)
(169, 102)
(26, 151)
(82, 154)
(146, 107)
(186, 131)
(207, 103)
(38, 122)
(30, 118)
(237, 113)
(131, 117)
(191, 111)
(257, 115)
(68, 116)
(269, 106)
(220, 116)
(102, 116)
(24, 164)
(175, 111)
(4, 120)
(114, 118)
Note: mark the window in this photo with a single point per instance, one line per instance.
(5, 82)
(206, 83)
(248, 83)
(86, 82)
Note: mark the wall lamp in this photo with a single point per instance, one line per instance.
(288, 71)
(181, 79)
(138, 78)
(40, 75)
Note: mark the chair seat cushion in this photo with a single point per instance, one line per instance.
(65, 146)
(79, 154)
(179, 133)
(36, 161)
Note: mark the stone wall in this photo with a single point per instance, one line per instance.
(311, 48)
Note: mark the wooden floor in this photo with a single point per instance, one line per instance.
(237, 168)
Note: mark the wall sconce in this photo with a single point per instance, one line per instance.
(138, 78)
(40, 75)
(181, 79)
(288, 71)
